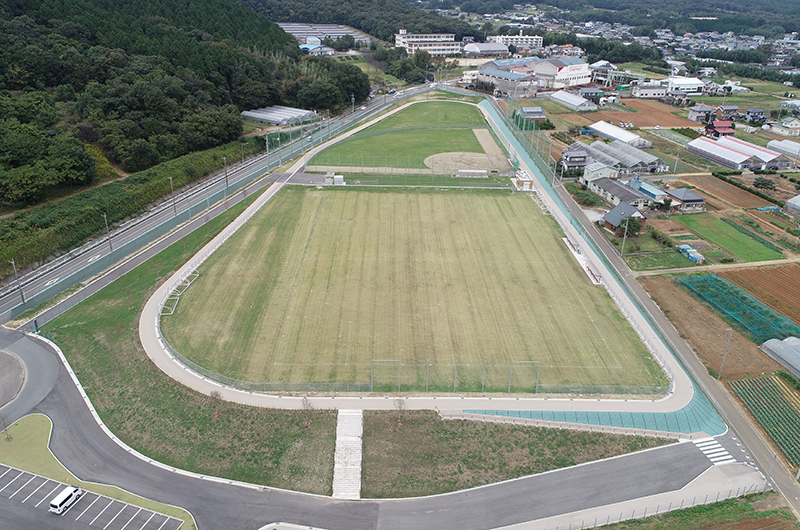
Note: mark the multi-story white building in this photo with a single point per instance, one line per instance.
(518, 41)
(436, 44)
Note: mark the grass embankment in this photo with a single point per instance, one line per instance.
(765, 511)
(321, 282)
(420, 454)
(709, 227)
(27, 450)
(170, 423)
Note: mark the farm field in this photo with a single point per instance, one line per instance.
(724, 191)
(705, 331)
(709, 227)
(322, 282)
(778, 287)
(776, 408)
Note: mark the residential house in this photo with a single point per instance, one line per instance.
(614, 192)
(597, 170)
(576, 156)
(589, 92)
(789, 126)
(616, 217)
(755, 116)
(686, 201)
(719, 128)
(728, 112)
(700, 113)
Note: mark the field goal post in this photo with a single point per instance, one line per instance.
(511, 372)
(372, 371)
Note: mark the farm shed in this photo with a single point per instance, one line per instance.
(793, 205)
(708, 148)
(629, 158)
(786, 352)
(786, 147)
(685, 200)
(533, 113)
(278, 115)
(572, 101)
(612, 132)
(767, 158)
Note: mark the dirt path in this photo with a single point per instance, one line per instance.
(718, 267)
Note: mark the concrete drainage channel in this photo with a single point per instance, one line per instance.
(28, 491)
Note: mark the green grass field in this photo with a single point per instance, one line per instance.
(321, 282)
(709, 227)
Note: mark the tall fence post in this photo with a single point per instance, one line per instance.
(510, 375)
(483, 381)
(455, 377)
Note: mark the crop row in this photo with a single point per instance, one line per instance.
(769, 403)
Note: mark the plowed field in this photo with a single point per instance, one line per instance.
(727, 192)
(653, 113)
(778, 287)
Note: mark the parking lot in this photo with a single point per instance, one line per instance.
(29, 496)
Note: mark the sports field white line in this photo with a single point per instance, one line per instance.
(113, 518)
(47, 496)
(46, 480)
(20, 489)
(87, 509)
(12, 480)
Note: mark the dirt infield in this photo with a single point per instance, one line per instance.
(447, 163)
(778, 287)
(726, 192)
(707, 333)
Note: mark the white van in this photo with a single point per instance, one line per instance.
(65, 499)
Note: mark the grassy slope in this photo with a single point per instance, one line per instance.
(420, 454)
(169, 422)
(711, 228)
(321, 282)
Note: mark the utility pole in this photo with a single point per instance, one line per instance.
(724, 357)
(108, 233)
(174, 208)
(769, 475)
(353, 101)
(624, 236)
(19, 285)
(678, 157)
(243, 153)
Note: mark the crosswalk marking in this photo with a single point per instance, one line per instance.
(714, 451)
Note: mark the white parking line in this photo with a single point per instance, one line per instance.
(112, 519)
(145, 523)
(48, 495)
(29, 481)
(4, 474)
(162, 524)
(101, 512)
(131, 519)
(46, 480)
(87, 509)
(12, 480)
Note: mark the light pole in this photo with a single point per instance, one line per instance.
(724, 357)
(243, 153)
(174, 208)
(108, 233)
(225, 163)
(19, 285)
(266, 141)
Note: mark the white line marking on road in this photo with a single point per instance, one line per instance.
(101, 512)
(46, 480)
(87, 509)
(131, 519)
(112, 519)
(46, 496)
(20, 489)
(12, 480)
(148, 520)
(51, 282)
(94, 258)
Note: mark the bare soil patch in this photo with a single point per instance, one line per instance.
(706, 333)
(652, 113)
(458, 160)
(488, 144)
(726, 192)
(778, 287)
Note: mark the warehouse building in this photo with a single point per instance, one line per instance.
(488, 49)
(511, 83)
(649, 91)
(612, 132)
(518, 41)
(687, 86)
(572, 101)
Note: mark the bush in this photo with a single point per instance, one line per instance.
(764, 183)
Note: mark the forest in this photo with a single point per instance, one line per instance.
(139, 83)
